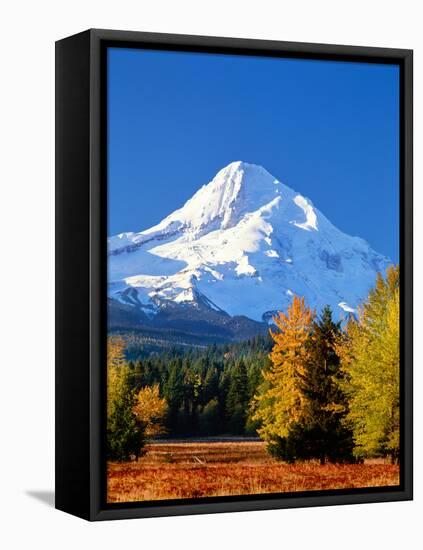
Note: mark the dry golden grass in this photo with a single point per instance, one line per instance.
(192, 470)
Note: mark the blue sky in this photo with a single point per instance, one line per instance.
(329, 130)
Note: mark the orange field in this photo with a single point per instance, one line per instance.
(192, 470)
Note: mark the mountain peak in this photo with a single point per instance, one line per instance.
(234, 165)
(245, 168)
(241, 165)
(245, 243)
(236, 189)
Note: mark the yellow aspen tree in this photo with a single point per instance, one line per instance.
(115, 367)
(150, 409)
(369, 352)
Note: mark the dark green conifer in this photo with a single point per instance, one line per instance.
(125, 434)
(321, 433)
(237, 398)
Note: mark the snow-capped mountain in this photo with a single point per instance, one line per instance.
(235, 253)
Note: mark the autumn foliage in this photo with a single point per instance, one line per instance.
(280, 401)
(370, 355)
(150, 409)
(332, 393)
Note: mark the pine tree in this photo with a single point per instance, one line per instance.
(209, 419)
(223, 388)
(211, 384)
(369, 353)
(174, 392)
(138, 375)
(237, 398)
(321, 432)
(125, 434)
(280, 402)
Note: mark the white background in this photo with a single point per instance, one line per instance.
(28, 31)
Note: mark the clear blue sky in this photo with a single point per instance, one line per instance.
(329, 130)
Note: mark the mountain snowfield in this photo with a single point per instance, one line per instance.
(243, 245)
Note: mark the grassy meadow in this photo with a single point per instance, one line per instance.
(175, 470)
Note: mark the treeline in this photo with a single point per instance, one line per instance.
(191, 392)
(311, 390)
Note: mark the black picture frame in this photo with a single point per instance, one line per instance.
(81, 133)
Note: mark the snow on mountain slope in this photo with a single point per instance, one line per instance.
(244, 243)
